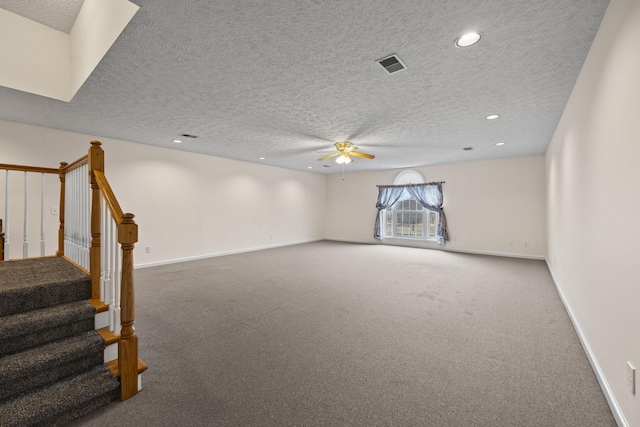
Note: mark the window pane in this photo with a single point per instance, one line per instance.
(399, 224)
(419, 225)
(412, 204)
(388, 223)
(432, 224)
(412, 223)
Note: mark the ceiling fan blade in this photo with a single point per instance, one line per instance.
(328, 156)
(363, 155)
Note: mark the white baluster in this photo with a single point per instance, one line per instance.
(42, 215)
(86, 215)
(70, 211)
(81, 216)
(76, 201)
(117, 276)
(110, 273)
(25, 241)
(74, 208)
(103, 254)
(6, 217)
(67, 215)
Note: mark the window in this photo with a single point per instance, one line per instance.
(408, 219)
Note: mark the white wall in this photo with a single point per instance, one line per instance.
(33, 57)
(593, 171)
(186, 205)
(38, 59)
(488, 205)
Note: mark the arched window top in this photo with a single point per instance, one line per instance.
(408, 176)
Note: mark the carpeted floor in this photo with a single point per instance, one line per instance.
(341, 334)
(51, 357)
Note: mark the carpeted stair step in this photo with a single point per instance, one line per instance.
(40, 366)
(31, 284)
(22, 331)
(61, 402)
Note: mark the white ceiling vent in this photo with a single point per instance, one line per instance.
(392, 64)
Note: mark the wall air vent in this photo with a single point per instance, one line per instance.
(392, 64)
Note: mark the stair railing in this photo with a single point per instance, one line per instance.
(75, 213)
(121, 229)
(92, 224)
(89, 211)
(27, 172)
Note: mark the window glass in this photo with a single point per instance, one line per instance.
(407, 219)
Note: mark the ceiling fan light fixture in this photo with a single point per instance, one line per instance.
(343, 160)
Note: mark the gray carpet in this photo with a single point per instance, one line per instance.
(337, 334)
(51, 357)
(37, 283)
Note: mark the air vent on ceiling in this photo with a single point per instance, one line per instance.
(186, 135)
(326, 166)
(392, 64)
(468, 148)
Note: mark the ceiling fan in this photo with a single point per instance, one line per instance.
(345, 151)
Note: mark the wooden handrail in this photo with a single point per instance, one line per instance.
(109, 197)
(81, 161)
(20, 168)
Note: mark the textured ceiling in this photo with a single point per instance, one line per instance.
(286, 79)
(57, 14)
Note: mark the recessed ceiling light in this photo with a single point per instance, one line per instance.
(261, 158)
(467, 39)
(492, 116)
(309, 167)
(177, 141)
(500, 143)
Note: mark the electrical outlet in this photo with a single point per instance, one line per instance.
(55, 210)
(270, 235)
(631, 378)
(526, 244)
(148, 249)
(510, 242)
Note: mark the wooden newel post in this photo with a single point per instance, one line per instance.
(96, 163)
(60, 251)
(128, 346)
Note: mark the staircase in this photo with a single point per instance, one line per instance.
(51, 357)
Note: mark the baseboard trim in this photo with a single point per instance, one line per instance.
(361, 242)
(604, 385)
(502, 254)
(444, 248)
(218, 254)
